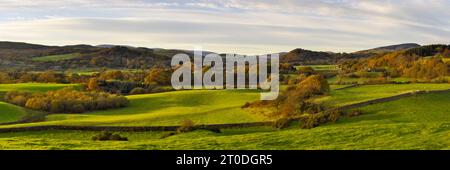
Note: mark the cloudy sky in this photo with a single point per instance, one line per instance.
(247, 26)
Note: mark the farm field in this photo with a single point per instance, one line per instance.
(33, 87)
(9, 112)
(334, 80)
(370, 92)
(410, 123)
(320, 67)
(206, 106)
(407, 123)
(56, 57)
(170, 108)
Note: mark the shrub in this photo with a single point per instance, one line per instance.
(138, 90)
(281, 123)
(186, 126)
(19, 100)
(16, 97)
(78, 108)
(314, 84)
(308, 121)
(333, 115)
(37, 103)
(158, 76)
(104, 136)
(66, 101)
(246, 105)
(56, 106)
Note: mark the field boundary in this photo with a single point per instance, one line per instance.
(206, 127)
(350, 86)
(131, 128)
(390, 98)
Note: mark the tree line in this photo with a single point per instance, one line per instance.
(66, 100)
(424, 63)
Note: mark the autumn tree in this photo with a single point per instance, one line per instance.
(158, 76)
(5, 78)
(48, 77)
(93, 84)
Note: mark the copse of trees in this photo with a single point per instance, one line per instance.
(428, 69)
(5, 78)
(66, 100)
(422, 63)
(42, 77)
(158, 76)
(293, 102)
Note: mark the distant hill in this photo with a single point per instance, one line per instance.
(21, 45)
(389, 48)
(20, 55)
(112, 45)
(303, 56)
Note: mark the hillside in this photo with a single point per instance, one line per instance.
(389, 48)
(21, 45)
(19, 55)
(419, 122)
(40, 57)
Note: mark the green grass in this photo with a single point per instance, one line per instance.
(420, 122)
(333, 80)
(200, 106)
(34, 87)
(10, 113)
(320, 67)
(91, 71)
(57, 57)
(370, 92)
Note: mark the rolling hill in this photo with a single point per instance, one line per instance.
(20, 55)
(389, 48)
(419, 123)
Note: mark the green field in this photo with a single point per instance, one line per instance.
(420, 122)
(9, 112)
(320, 67)
(370, 92)
(408, 123)
(362, 80)
(56, 57)
(200, 106)
(34, 87)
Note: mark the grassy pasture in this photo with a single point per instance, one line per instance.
(335, 79)
(33, 87)
(212, 106)
(370, 92)
(56, 57)
(319, 67)
(9, 112)
(419, 122)
(201, 106)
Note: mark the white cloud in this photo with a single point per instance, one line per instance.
(249, 26)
